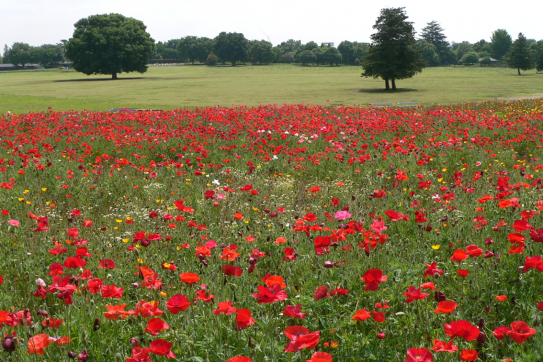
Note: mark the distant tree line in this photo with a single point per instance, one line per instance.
(234, 48)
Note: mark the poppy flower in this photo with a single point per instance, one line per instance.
(189, 278)
(320, 357)
(274, 279)
(532, 262)
(147, 309)
(162, 347)
(500, 332)
(201, 294)
(537, 235)
(232, 270)
(361, 315)
(445, 307)
(413, 294)
(270, 294)
(339, 291)
(428, 285)
(139, 355)
(226, 308)
(419, 355)
(177, 303)
(373, 278)
(155, 325)
(62, 340)
(94, 284)
(463, 272)
(310, 217)
(289, 254)
(431, 270)
(111, 291)
(243, 319)
(462, 329)
(240, 359)
(459, 255)
(294, 311)
(116, 311)
(540, 306)
(106, 264)
(469, 355)
(442, 346)
(378, 316)
(74, 262)
(520, 331)
(52, 322)
(37, 343)
(321, 292)
(474, 251)
(301, 338)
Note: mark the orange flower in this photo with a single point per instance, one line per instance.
(280, 240)
(229, 254)
(315, 189)
(37, 343)
(115, 311)
(52, 322)
(361, 315)
(272, 280)
(189, 278)
(238, 216)
(445, 307)
(501, 298)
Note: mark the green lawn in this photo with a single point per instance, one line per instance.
(170, 87)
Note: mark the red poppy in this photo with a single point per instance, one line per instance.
(373, 278)
(463, 272)
(294, 311)
(270, 294)
(240, 359)
(419, 355)
(243, 319)
(111, 291)
(274, 279)
(116, 311)
(155, 325)
(177, 303)
(459, 255)
(378, 316)
(339, 291)
(413, 294)
(533, 262)
(189, 278)
(226, 308)
(462, 329)
(56, 269)
(147, 309)
(474, 251)
(201, 294)
(320, 357)
(107, 264)
(301, 338)
(500, 332)
(469, 355)
(432, 270)
(537, 235)
(361, 315)
(75, 262)
(52, 322)
(445, 307)
(139, 355)
(232, 270)
(37, 343)
(442, 346)
(162, 347)
(321, 292)
(520, 331)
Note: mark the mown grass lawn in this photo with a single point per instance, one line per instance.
(171, 87)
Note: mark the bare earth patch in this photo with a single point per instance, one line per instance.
(533, 96)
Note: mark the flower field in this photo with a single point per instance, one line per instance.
(293, 233)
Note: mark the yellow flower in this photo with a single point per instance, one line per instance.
(26, 192)
(126, 240)
(119, 221)
(44, 189)
(436, 247)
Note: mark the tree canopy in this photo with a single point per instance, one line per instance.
(18, 54)
(433, 34)
(500, 42)
(519, 55)
(231, 47)
(393, 53)
(109, 44)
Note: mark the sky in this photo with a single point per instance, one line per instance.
(38, 22)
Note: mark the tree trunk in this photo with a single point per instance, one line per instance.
(393, 84)
(387, 86)
(518, 70)
(114, 76)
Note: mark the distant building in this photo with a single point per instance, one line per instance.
(330, 44)
(9, 66)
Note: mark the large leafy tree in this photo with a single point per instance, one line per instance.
(18, 54)
(346, 48)
(393, 53)
(109, 44)
(231, 47)
(433, 34)
(519, 55)
(187, 48)
(539, 56)
(307, 56)
(462, 48)
(260, 51)
(428, 53)
(48, 54)
(500, 42)
(332, 56)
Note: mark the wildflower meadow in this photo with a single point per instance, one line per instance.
(273, 233)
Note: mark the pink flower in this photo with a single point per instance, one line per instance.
(14, 223)
(342, 215)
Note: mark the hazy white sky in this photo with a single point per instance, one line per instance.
(47, 21)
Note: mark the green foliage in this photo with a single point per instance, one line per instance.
(539, 56)
(394, 53)
(360, 51)
(288, 57)
(307, 56)
(109, 44)
(193, 48)
(319, 53)
(309, 46)
(18, 54)
(501, 41)
(260, 51)
(433, 34)
(166, 50)
(428, 53)
(346, 48)
(48, 54)
(211, 58)
(519, 56)
(291, 45)
(231, 47)
(332, 56)
(486, 61)
(463, 48)
(469, 58)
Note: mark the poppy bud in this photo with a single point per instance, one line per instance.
(429, 228)
(168, 238)
(223, 246)
(481, 338)
(328, 264)
(488, 254)
(70, 219)
(83, 356)
(240, 233)
(135, 285)
(353, 197)
(43, 313)
(487, 309)
(489, 241)
(9, 344)
(381, 335)
(267, 211)
(103, 228)
(96, 325)
(145, 242)
(251, 268)
(450, 245)
(346, 208)
(216, 204)
(252, 260)
(439, 296)
(444, 219)
(81, 167)
(481, 323)
(71, 355)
